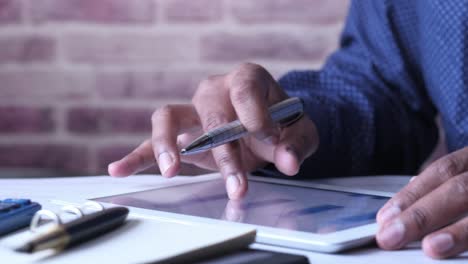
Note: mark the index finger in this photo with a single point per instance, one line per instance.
(167, 123)
(139, 159)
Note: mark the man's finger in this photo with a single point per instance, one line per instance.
(228, 159)
(214, 109)
(234, 211)
(227, 156)
(447, 242)
(139, 159)
(429, 213)
(251, 92)
(436, 174)
(168, 122)
(202, 160)
(298, 141)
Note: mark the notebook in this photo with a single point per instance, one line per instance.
(142, 239)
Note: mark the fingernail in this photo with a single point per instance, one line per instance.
(111, 168)
(392, 235)
(389, 213)
(442, 243)
(165, 162)
(232, 185)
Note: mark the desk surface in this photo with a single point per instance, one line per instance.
(50, 191)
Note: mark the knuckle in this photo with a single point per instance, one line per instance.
(242, 90)
(209, 83)
(208, 86)
(459, 230)
(249, 67)
(419, 217)
(140, 157)
(460, 185)
(203, 87)
(256, 125)
(447, 166)
(410, 196)
(245, 80)
(162, 112)
(214, 120)
(224, 160)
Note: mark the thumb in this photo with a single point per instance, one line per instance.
(297, 142)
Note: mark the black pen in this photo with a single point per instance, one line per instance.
(77, 231)
(284, 113)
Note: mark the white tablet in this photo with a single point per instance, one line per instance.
(285, 213)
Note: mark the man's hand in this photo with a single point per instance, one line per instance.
(432, 206)
(244, 94)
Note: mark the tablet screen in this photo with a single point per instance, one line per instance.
(266, 204)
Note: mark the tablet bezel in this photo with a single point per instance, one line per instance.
(329, 242)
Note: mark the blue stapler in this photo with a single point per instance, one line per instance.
(16, 214)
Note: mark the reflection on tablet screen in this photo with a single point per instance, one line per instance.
(266, 204)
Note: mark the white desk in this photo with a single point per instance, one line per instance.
(46, 191)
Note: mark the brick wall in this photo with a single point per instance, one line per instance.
(79, 79)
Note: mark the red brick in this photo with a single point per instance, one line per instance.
(108, 120)
(157, 85)
(193, 10)
(69, 158)
(274, 46)
(129, 48)
(286, 11)
(27, 84)
(102, 11)
(16, 119)
(29, 48)
(10, 11)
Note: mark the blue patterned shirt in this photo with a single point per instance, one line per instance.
(375, 100)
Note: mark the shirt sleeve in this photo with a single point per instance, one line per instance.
(368, 102)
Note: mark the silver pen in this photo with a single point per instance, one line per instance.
(284, 113)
